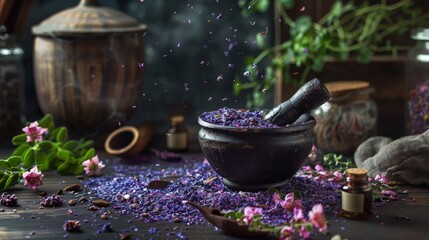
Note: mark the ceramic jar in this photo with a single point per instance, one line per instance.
(417, 83)
(86, 67)
(347, 119)
(11, 88)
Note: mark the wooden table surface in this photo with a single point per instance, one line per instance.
(31, 222)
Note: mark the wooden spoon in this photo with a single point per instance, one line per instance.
(227, 225)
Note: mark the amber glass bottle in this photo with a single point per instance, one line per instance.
(177, 135)
(356, 195)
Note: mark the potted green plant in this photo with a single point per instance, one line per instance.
(346, 31)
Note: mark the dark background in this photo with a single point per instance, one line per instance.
(187, 47)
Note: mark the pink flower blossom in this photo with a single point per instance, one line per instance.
(298, 215)
(388, 193)
(290, 202)
(286, 233)
(319, 168)
(303, 232)
(276, 198)
(250, 212)
(34, 132)
(307, 168)
(313, 154)
(33, 178)
(381, 178)
(337, 176)
(93, 166)
(317, 217)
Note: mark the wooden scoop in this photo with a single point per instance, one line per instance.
(227, 225)
(310, 96)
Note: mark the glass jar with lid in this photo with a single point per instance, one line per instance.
(417, 83)
(347, 119)
(11, 87)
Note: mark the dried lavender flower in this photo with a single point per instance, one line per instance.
(9, 200)
(239, 118)
(52, 201)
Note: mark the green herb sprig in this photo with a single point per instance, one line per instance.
(55, 151)
(346, 30)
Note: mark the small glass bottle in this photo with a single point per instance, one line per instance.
(177, 136)
(356, 195)
(417, 83)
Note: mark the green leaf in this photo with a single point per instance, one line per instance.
(364, 55)
(64, 168)
(260, 40)
(42, 161)
(19, 139)
(64, 154)
(89, 154)
(288, 4)
(78, 170)
(302, 24)
(20, 150)
(14, 161)
(4, 164)
(262, 5)
(71, 145)
(3, 182)
(47, 121)
(45, 145)
(28, 158)
(11, 180)
(62, 135)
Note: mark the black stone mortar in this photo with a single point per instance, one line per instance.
(252, 159)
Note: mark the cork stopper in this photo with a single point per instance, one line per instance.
(178, 119)
(357, 173)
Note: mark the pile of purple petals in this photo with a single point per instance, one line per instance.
(237, 118)
(126, 189)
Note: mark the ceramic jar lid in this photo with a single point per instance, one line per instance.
(87, 18)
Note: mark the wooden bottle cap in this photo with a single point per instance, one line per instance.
(178, 119)
(356, 172)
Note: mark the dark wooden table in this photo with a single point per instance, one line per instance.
(29, 221)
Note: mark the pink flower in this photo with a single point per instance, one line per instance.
(319, 168)
(307, 168)
(381, 178)
(34, 132)
(286, 233)
(317, 217)
(388, 193)
(250, 212)
(303, 232)
(298, 215)
(337, 176)
(93, 166)
(290, 202)
(276, 198)
(313, 154)
(33, 178)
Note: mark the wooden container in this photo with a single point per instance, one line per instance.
(87, 67)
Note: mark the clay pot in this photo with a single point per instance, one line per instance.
(86, 67)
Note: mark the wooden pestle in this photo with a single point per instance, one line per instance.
(310, 96)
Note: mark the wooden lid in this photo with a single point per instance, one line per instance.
(87, 18)
(342, 87)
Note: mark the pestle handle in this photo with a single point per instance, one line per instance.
(310, 96)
